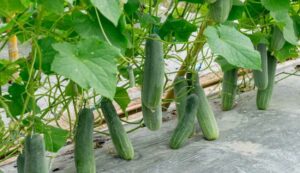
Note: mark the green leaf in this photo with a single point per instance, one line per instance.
(285, 21)
(52, 6)
(89, 63)
(111, 9)
(122, 98)
(47, 55)
(235, 47)
(146, 20)
(87, 26)
(254, 10)
(287, 52)
(15, 100)
(7, 69)
(72, 89)
(10, 7)
(132, 6)
(180, 28)
(296, 19)
(225, 66)
(54, 137)
(276, 5)
(259, 37)
(236, 12)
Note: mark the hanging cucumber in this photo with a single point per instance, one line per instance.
(21, 163)
(229, 87)
(185, 125)
(181, 92)
(219, 11)
(152, 118)
(261, 77)
(205, 114)
(84, 148)
(131, 76)
(153, 78)
(264, 96)
(35, 155)
(277, 39)
(117, 132)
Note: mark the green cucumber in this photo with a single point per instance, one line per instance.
(152, 118)
(21, 163)
(229, 87)
(264, 96)
(117, 132)
(261, 77)
(181, 92)
(185, 125)
(219, 11)
(205, 114)
(131, 76)
(35, 154)
(84, 148)
(277, 39)
(153, 80)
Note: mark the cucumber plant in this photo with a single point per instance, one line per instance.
(80, 51)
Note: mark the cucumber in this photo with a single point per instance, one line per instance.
(152, 119)
(84, 148)
(35, 155)
(229, 87)
(264, 96)
(261, 77)
(277, 39)
(117, 132)
(219, 11)
(21, 163)
(131, 76)
(153, 80)
(181, 92)
(205, 114)
(185, 125)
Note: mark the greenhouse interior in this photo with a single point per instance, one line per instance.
(149, 86)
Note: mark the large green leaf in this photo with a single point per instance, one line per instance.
(225, 66)
(276, 5)
(235, 47)
(89, 63)
(111, 9)
(285, 21)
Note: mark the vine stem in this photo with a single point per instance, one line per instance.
(13, 50)
(190, 58)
